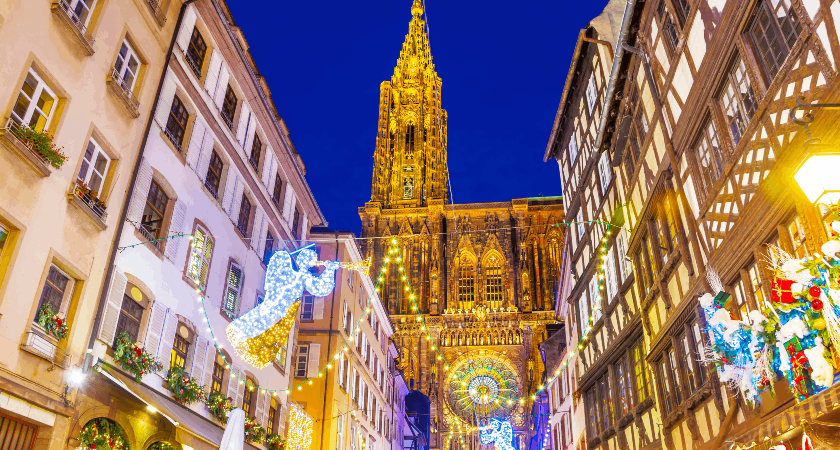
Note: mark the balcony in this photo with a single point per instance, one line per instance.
(149, 236)
(173, 139)
(87, 201)
(194, 65)
(157, 11)
(123, 92)
(74, 24)
(228, 120)
(10, 135)
(40, 344)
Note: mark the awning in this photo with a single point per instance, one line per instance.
(182, 418)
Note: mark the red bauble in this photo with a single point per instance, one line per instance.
(814, 291)
(817, 304)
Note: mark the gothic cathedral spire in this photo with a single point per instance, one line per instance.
(409, 166)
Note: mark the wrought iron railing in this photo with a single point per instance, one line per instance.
(76, 20)
(15, 130)
(39, 344)
(172, 139)
(148, 235)
(125, 89)
(212, 189)
(227, 120)
(90, 200)
(194, 65)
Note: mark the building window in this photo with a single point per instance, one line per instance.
(94, 168)
(670, 32)
(280, 359)
(409, 142)
(244, 216)
(621, 253)
(606, 402)
(683, 8)
(639, 368)
(581, 227)
(408, 187)
(35, 103)
(57, 288)
(196, 52)
(699, 353)
(153, 214)
(278, 189)
(296, 224)
(269, 248)
(583, 312)
(710, 156)
(774, 31)
(233, 291)
(214, 174)
(256, 151)
(301, 360)
(130, 315)
(272, 416)
(798, 238)
(127, 66)
(493, 279)
(573, 149)
(738, 100)
(307, 307)
(466, 283)
(604, 171)
(248, 398)
(176, 124)
(179, 351)
(79, 10)
(218, 376)
(625, 392)
(229, 107)
(756, 286)
(591, 93)
(202, 251)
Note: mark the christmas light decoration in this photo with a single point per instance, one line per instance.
(499, 432)
(258, 334)
(299, 435)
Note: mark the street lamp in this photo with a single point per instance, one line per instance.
(75, 379)
(817, 174)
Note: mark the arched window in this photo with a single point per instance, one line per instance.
(250, 397)
(466, 283)
(181, 347)
(409, 142)
(218, 376)
(493, 292)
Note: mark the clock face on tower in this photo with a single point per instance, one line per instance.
(480, 387)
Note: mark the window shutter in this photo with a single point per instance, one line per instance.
(141, 192)
(187, 25)
(212, 79)
(344, 316)
(313, 360)
(113, 307)
(353, 384)
(206, 154)
(198, 360)
(267, 408)
(167, 339)
(233, 383)
(266, 172)
(242, 129)
(196, 143)
(240, 391)
(262, 236)
(237, 200)
(157, 318)
(318, 308)
(221, 88)
(288, 203)
(304, 228)
(281, 424)
(257, 233)
(341, 370)
(273, 176)
(230, 188)
(167, 93)
(209, 363)
(176, 226)
(258, 411)
(249, 138)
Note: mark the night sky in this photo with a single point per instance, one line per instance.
(503, 66)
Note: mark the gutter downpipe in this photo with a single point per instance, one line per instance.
(614, 72)
(103, 291)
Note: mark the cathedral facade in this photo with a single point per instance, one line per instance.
(484, 275)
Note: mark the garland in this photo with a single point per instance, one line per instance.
(219, 407)
(253, 431)
(274, 442)
(49, 320)
(103, 434)
(185, 389)
(160, 445)
(133, 358)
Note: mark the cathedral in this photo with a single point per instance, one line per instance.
(484, 275)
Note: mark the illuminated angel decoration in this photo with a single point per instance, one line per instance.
(499, 432)
(258, 334)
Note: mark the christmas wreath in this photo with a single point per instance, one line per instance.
(103, 434)
(274, 442)
(219, 407)
(183, 388)
(253, 431)
(49, 320)
(133, 358)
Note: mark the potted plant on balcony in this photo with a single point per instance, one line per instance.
(42, 143)
(183, 388)
(90, 197)
(51, 322)
(133, 358)
(274, 442)
(254, 433)
(219, 407)
(103, 434)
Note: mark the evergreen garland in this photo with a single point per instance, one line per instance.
(253, 431)
(185, 389)
(219, 407)
(49, 320)
(103, 434)
(133, 358)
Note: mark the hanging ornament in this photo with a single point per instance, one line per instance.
(258, 334)
(816, 304)
(814, 291)
(819, 324)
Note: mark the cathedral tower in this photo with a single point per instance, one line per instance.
(410, 158)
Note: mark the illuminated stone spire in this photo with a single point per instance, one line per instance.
(410, 158)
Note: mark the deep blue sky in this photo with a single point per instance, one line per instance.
(503, 66)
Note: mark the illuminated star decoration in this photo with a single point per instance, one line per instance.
(499, 432)
(258, 334)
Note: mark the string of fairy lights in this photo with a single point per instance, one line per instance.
(394, 256)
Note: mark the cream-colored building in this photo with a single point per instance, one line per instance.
(83, 74)
(352, 406)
